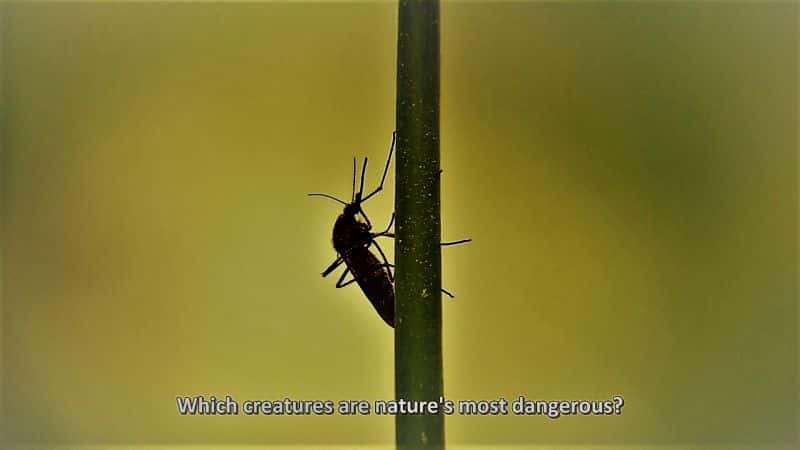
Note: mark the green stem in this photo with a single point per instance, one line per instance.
(418, 317)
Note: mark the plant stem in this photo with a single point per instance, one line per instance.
(418, 316)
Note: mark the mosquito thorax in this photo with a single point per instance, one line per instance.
(349, 231)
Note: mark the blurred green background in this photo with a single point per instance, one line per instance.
(627, 172)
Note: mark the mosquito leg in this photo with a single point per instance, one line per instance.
(361, 188)
(462, 241)
(385, 232)
(366, 219)
(339, 283)
(385, 260)
(333, 266)
(443, 244)
(448, 294)
(353, 192)
(388, 227)
(340, 258)
(385, 170)
(389, 268)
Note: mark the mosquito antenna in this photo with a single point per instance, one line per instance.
(328, 196)
(385, 169)
(462, 241)
(353, 196)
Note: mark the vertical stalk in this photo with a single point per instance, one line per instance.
(5, 35)
(418, 316)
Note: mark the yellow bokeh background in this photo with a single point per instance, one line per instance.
(627, 172)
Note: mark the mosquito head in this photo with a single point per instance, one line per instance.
(352, 209)
(357, 198)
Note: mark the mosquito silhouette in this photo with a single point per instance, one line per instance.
(352, 239)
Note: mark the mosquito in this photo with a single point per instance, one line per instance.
(352, 239)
